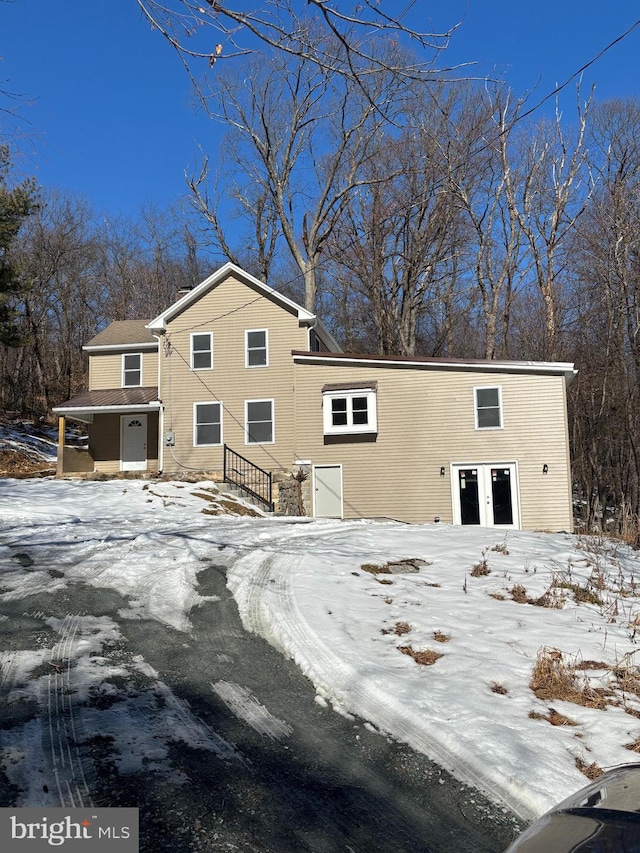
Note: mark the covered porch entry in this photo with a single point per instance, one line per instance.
(123, 429)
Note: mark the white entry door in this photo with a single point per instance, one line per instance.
(327, 491)
(133, 443)
(486, 495)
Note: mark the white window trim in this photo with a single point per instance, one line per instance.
(195, 422)
(246, 422)
(246, 348)
(191, 339)
(475, 406)
(350, 428)
(129, 354)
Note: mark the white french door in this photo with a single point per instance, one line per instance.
(486, 495)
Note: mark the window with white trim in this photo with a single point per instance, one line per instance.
(349, 411)
(201, 350)
(259, 422)
(207, 424)
(256, 347)
(488, 407)
(131, 370)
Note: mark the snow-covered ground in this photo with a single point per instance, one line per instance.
(357, 633)
(33, 444)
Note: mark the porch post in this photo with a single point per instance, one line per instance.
(61, 433)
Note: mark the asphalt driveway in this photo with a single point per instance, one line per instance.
(215, 736)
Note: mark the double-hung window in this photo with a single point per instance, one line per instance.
(201, 351)
(349, 410)
(259, 422)
(488, 407)
(256, 348)
(207, 424)
(132, 370)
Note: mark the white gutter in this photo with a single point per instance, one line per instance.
(552, 367)
(119, 347)
(76, 411)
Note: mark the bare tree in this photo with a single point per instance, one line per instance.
(606, 267)
(335, 39)
(398, 234)
(554, 192)
(483, 181)
(58, 303)
(77, 272)
(145, 262)
(256, 250)
(300, 140)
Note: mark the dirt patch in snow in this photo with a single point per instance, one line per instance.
(26, 449)
(18, 464)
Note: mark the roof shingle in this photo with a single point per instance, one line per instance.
(122, 332)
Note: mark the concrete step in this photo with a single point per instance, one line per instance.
(237, 492)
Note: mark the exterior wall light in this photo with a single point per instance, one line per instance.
(442, 471)
(545, 468)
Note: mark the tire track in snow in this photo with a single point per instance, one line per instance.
(252, 580)
(242, 703)
(62, 728)
(7, 671)
(186, 726)
(49, 762)
(266, 599)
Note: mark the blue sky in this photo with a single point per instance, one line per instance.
(112, 117)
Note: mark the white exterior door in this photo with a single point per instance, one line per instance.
(486, 495)
(327, 491)
(133, 443)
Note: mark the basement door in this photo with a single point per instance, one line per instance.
(486, 495)
(327, 491)
(133, 443)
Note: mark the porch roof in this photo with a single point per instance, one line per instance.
(85, 405)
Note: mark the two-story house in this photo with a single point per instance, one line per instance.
(234, 364)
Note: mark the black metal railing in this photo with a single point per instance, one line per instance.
(240, 472)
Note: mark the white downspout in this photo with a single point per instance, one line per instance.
(161, 412)
(310, 327)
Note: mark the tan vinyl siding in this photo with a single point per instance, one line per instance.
(104, 443)
(425, 422)
(228, 311)
(74, 460)
(105, 369)
(152, 442)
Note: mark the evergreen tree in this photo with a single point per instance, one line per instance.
(16, 204)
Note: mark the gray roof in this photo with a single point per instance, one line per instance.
(409, 361)
(123, 332)
(110, 398)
